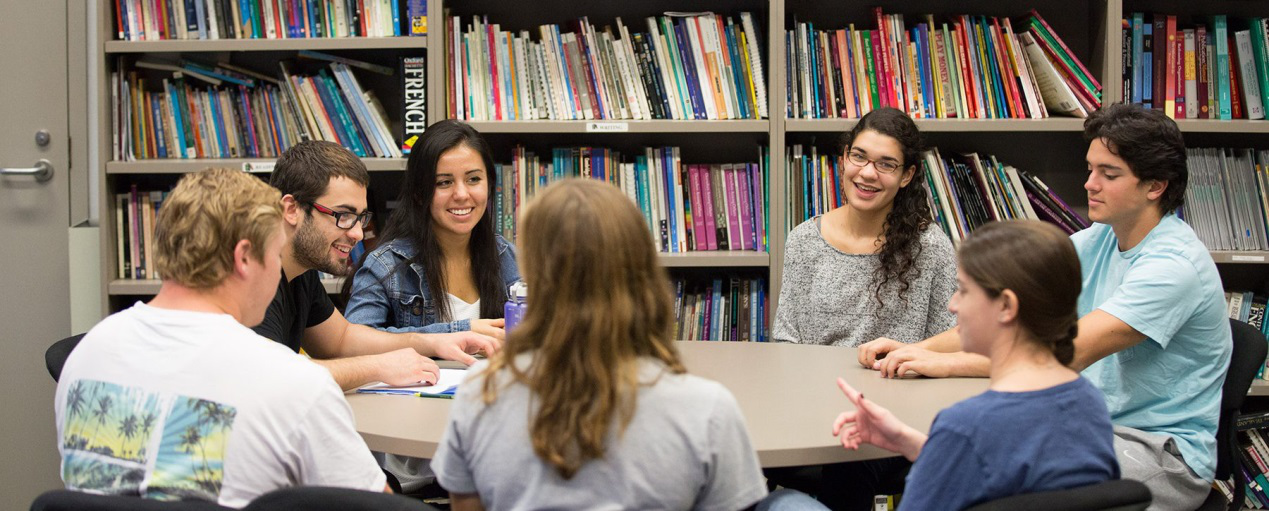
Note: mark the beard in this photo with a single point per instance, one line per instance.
(312, 250)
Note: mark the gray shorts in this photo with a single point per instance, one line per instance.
(1155, 460)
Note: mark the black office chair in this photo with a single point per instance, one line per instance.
(1116, 495)
(56, 355)
(69, 500)
(317, 498)
(1248, 355)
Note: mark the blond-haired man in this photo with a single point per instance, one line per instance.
(177, 399)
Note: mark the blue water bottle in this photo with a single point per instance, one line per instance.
(517, 301)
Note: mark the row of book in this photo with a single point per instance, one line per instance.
(154, 20)
(721, 309)
(976, 68)
(1227, 197)
(223, 111)
(1252, 464)
(688, 207)
(135, 213)
(686, 66)
(1196, 73)
(965, 191)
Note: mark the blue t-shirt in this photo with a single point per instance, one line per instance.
(998, 444)
(1167, 288)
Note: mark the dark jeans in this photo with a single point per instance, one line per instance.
(845, 486)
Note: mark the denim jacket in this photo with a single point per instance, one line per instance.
(399, 301)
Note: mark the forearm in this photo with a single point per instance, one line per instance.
(350, 373)
(360, 340)
(949, 341)
(912, 443)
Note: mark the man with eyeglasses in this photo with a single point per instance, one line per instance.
(324, 207)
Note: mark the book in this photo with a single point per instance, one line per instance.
(414, 101)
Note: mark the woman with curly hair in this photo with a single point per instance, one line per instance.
(874, 267)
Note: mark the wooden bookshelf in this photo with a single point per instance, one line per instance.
(150, 287)
(171, 166)
(622, 126)
(225, 45)
(1052, 148)
(1052, 124)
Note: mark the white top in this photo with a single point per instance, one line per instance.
(460, 310)
(176, 404)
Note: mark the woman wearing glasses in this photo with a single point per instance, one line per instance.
(873, 267)
(440, 267)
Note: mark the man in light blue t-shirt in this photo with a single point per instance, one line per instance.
(1153, 335)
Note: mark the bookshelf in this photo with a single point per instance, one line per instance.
(1051, 148)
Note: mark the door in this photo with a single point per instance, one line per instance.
(34, 217)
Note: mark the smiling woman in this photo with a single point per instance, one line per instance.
(873, 267)
(440, 268)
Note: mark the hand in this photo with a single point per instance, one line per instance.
(405, 367)
(875, 349)
(460, 346)
(913, 359)
(870, 423)
(490, 327)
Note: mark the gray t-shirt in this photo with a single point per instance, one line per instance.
(685, 448)
(828, 297)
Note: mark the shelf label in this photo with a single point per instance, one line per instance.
(607, 127)
(1247, 258)
(257, 166)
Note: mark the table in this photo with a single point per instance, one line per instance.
(787, 392)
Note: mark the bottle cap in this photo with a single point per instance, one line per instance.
(519, 290)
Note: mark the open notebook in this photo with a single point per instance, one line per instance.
(445, 386)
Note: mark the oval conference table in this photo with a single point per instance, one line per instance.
(787, 392)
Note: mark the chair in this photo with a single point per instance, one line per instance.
(318, 498)
(1248, 355)
(56, 355)
(70, 500)
(1116, 495)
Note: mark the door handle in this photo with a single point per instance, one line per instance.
(42, 171)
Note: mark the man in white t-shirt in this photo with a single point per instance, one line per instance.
(177, 399)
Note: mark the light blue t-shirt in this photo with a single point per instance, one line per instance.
(1167, 288)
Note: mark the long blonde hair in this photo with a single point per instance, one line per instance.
(598, 302)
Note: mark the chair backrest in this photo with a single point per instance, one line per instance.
(318, 498)
(1116, 495)
(56, 355)
(1248, 355)
(68, 500)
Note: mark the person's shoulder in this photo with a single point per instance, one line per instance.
(805, 232)
(936, 244)
(1174, 236)
(503, 244)
(1090, 234)
(400, 248)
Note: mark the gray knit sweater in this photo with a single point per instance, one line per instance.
(828, 297)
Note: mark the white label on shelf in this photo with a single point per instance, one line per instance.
(607, 127)
(1247, 258)
(257, 166)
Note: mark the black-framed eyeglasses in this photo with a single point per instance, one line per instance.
(343, 219)
(882, 166)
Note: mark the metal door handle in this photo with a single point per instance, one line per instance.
(42, 171)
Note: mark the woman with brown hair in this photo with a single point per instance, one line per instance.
(588, 404)
(1040, 426)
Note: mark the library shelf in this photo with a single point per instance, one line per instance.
(1052, 124)
(224, 45)
(624, 126)
(1240, 256)
(715, 259)
(1219, 126)
(184, 166)
(150, 287)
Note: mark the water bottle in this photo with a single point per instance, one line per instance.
(517, 300)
